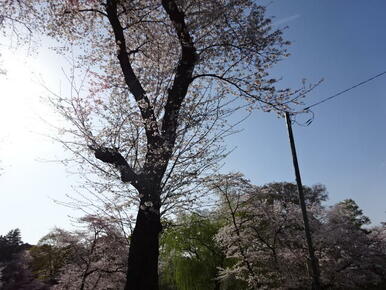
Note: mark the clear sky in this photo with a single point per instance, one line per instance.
(344, 148)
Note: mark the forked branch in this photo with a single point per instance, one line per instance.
(112, 156)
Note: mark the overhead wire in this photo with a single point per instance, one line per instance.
(307, 109)
(344, 91)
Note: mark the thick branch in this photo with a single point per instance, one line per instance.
(112, 156)
(184, 72)
(135, 87)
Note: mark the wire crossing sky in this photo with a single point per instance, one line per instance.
(344, 91)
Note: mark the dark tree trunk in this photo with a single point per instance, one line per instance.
(142, 273)
(142, 269)
(217, 285)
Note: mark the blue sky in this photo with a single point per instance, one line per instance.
(344, 148)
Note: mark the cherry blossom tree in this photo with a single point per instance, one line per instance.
(94, 258)
(152, 86)
(351, 256)
(264, 234)
(17, 21)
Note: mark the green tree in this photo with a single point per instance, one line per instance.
(190, 257)
(349, 210)
(191, 250)
(47, 261)
(10, 244)
(14, 264)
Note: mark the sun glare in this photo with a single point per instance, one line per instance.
(20, 106)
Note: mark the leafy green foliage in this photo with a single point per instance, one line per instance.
(192, 252)
(349, 210)
(190, 257)
(10, 244)
(14, 264)
(47, 260)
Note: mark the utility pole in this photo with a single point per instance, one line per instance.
(311, 252)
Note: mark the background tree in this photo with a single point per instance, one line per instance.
(190, 257)
(46, 261)
(10, 244)
(14, 264)
(94, 258)
(263, 233)
(351, 256)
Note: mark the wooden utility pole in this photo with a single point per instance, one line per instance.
(311, 252)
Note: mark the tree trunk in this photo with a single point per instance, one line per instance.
(142, 268)
(217, 285)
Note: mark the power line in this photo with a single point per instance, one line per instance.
(345, 91)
